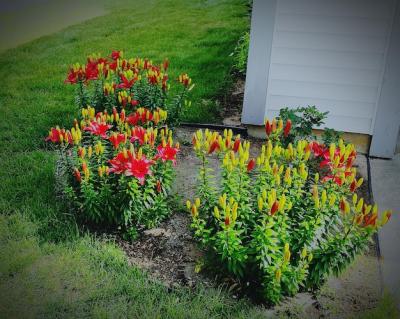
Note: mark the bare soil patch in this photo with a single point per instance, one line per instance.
(232, 104)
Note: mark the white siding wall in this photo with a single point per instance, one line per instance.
(330, 53)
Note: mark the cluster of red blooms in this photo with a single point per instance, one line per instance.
(58, 135)
(277, 126)
(185, 79)
(97, 128)
(215, 143)
(90, 71)
(337, 163)
(118, 129)
(62, 136)
(143, 116)
(128, 71)
(366, 215)
(137, 165)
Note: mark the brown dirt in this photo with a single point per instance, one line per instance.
(232, 104)
(167, 252)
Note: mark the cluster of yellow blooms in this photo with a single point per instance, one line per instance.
(339, 159)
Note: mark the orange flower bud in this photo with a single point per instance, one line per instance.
(274, 208)
(194, 211)
(250, 165)
(288, 126)
(227, 221)
(77, 175)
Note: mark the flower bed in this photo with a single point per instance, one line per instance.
(285, 220)
(120, 154)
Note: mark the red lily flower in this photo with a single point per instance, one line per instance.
(139, 168)
(77, 175)
(115, 55)
(250, 165)
(73, 76)
(138, 134)
(317, 149)
(122, 116)
(273, 126)
(133, 119)
(98, 128)
(54, 135)
(167, 153)
(68, 137)
(370, 220)
(126, 84)
(268, 128)
(343, 205)
(117, 139)
(91, 71)
(184, 79)
(287, 128)
(101, 60)
(124, 64)
(140, 117)
(153, 79)
(334, 178)
(213, 147)
(236, 145)
(57, 135)
(113, 65)
(166, 64)
(118, 163)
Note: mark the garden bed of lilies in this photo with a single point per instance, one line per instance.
(276, 221)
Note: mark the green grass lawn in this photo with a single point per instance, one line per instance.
(84, 278)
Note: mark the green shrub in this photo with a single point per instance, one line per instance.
(282, 221)
(303, 119)
(241, 53)
(329, 136)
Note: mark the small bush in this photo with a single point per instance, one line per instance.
(119, 155)
(302, 119)
(282, 221)
(241, 53)
(330, 135)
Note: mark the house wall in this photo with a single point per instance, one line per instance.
(330, 54)
(258, 62)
